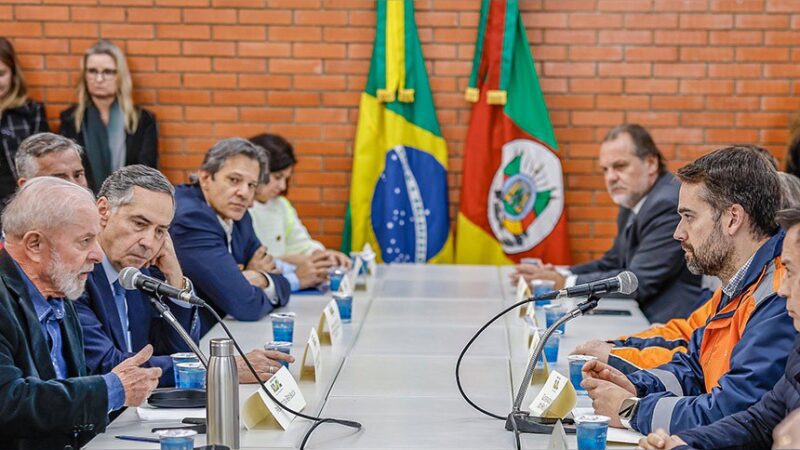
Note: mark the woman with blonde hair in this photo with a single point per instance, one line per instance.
(20, 117)
(112, 130)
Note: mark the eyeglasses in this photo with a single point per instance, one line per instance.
(105, 74)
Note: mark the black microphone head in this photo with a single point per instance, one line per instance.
(628, 283)
(127, 276)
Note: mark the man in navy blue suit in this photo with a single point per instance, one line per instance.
(214, 237)
(136, 205)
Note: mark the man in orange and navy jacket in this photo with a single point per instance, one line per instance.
(728, 201)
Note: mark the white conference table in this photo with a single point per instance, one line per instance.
(395, 369)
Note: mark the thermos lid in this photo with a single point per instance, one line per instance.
(221, 347)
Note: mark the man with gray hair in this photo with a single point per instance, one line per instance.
(49, 154)
(136, 205)
(46, 398)
(214, 237)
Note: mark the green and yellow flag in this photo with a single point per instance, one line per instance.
(398, 191)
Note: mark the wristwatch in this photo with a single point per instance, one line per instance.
(627, 410)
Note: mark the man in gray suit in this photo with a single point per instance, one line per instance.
(636, 177)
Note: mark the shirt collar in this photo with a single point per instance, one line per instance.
(636, 208)
(111, 273)
(732, 287)
(43, 307)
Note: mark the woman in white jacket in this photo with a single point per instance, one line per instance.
(304, 261)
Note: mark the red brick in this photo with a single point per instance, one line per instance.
(706, 119)
(579, 53)
(716, 87)
(120, 31)
(179, 64)
(183, 31)
(599, 21)
(679, 102)
(769, 87)
(706, 54)
(184, 97)
(729, 103)
(239, 33)
(318, 50)
(264, 49)
(651, 53)
(762, 54)
(240, 65)
(239, 97)
(651, 21)
(781, 6)
(216, 15)
(681, 37)
(706, 21)
(651, 86)
(319, 82)
(61, 30)
(265, 17)
(781, 37)
(625, 69)
(193, 48)
(734, 70)
(737, 5)
(762, 21)
(736, 37)
(45, 13)
(780, 103)
(282, 34)
(211, 114)
(636, 37)
(679, 70)
(279, 98)
(623, 102)
(154, 15)
(762, 119)
(581, 37)
(624, 5)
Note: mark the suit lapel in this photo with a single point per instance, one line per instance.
(107, 306)
(40, 352)
(73, 342)
(138, 319)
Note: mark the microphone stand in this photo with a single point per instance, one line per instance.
(521, 421)
(167, 315)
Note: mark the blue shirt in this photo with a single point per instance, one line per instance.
(50, 313)
(288, 270)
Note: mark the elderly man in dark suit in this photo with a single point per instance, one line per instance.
(46, 399)
(636, 177)
(136, 205)
(214, 236)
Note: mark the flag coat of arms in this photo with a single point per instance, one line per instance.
(512, 194)
(398, 191)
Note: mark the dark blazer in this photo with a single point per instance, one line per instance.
(103, 336)
(37, 411)
(202, 249)
(666, 287)
(16, 125)
(142, 145)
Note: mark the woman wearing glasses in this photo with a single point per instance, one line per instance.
(20, 117)
(111, 129)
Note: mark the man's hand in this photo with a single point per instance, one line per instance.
(138, 382)
(606, 398)
(607, 387)
(264, 361)
(314, 270)
(660, 440)
(256, 279)
(787, 434)
(167, 262)
(599, 349)
(530, 272)
(261, 261)
(339, 259)
(602, 371)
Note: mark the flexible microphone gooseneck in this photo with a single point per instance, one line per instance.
(627, 284)
(136, 280)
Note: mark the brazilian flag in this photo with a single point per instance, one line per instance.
(398, 192)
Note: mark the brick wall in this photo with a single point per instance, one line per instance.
(698, 73)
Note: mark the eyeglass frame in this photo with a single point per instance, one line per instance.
(105, 74)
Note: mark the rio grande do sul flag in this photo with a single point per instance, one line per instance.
(398, 191)
(512, 194)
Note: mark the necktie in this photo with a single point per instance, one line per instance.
(122, 311)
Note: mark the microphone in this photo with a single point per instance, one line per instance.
(625, 283)
(131, 278)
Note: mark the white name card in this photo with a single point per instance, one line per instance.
(330, 325)
(260, 411)
(314, 353)
(556, 399)
(523, 292)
